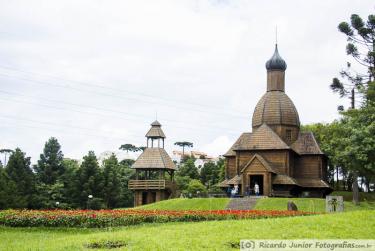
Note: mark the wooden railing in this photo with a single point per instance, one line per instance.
(150, 184)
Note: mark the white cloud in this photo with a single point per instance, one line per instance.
(210, 53)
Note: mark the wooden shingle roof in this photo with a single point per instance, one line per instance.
(311, 182)
(282, 179)
(154, 158)
(306, 144)
(155, 131)
(236, 180)
(230, 152)
(224, 183)
(262, 138)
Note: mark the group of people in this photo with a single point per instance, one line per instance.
(233, 192)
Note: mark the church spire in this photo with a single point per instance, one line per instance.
(276, 62)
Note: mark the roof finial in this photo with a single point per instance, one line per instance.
(156, 115)
(276, 34)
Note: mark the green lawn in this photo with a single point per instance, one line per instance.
(303, 204)
(194, 236)
(307, 204)
(348, 196)
(189, 204)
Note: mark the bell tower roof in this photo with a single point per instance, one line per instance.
(276, 62)
(155, 131)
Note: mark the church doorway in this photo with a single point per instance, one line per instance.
(256, 179)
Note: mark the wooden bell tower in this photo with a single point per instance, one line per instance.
(154, 170)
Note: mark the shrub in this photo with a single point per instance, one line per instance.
(196, 189)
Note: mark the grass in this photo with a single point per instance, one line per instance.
(217, 235)
(307, 204)
(303, 204)
(348, 196)
(189, 204)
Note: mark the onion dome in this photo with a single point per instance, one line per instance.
(276, 62)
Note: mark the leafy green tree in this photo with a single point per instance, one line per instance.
(182, 183)
(183, 144)
(361, 47)
(125, 173)
(210, 174)
(359, 151)
(196, 189)
(50, 166)
(111, 189)
(188, 169)
(221, 164)
(90, 179)
(127, 162)
(20, 174)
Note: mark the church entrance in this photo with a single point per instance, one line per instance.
(256, 179)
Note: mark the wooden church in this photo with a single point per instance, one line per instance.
(154, 169)
(276, 155)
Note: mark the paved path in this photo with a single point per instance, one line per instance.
(245, 203)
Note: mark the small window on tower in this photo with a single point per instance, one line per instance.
(289, 135)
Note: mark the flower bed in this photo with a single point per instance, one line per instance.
(111, 218)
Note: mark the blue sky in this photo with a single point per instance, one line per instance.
(94, 74)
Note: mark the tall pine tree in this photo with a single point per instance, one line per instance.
(20, 174)
(112, 189)
(50, 166)
(90, 179)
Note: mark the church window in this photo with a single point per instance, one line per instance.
(288, 135)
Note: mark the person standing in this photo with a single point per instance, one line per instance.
(256, 189)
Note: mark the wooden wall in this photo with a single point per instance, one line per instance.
(281, 131)
(278, 159)
(231, 166)
(276, 81)
(309, 166)
(257, 168)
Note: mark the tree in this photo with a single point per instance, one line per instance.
(359, 151)
(6, 191)
(361, 47)
(125, 173)
(6, 152)
(142, 148)
(70, 181)
(127, 162)
(129, 147)
(188, 169)
(90, 179)
(111, 189)
(210, 174)
(22, 177)
(183, 144)
(196, 188)
(50, 166)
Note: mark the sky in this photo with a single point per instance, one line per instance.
(95, 74)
